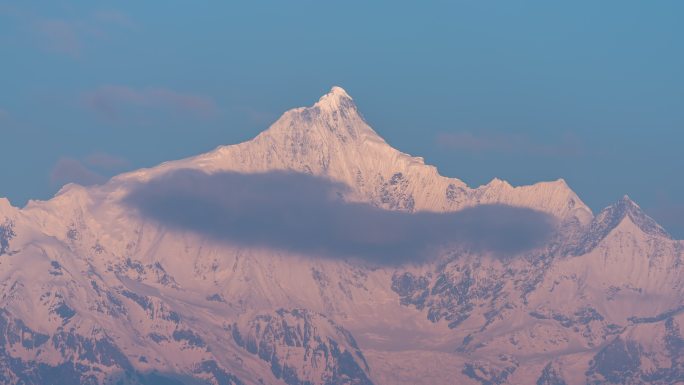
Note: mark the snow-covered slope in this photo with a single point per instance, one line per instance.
(331, 139)
(95, 292)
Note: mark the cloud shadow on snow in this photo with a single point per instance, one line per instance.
(306, 214)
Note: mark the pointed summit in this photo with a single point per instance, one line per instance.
(334, 120)
(336, 99)
(339, 92)
(612, 216)
(331, 139)
(625, 208)
(622, 208)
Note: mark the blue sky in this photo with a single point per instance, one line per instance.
(589, 91)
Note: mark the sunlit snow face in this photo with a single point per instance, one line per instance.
(305, 214)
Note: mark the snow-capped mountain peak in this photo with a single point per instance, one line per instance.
(336, 99)
(93, 291)
(331, 139)
(627, 209)
(624, 212)
(334, 117)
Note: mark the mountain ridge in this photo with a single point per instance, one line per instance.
(302, 140)
(93, 291)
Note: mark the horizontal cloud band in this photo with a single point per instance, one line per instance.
(306, 214)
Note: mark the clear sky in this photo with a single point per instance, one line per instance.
(590, 91)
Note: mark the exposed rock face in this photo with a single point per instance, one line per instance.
(551, 375)
(304, 348)
(6, 235)
(93, 292)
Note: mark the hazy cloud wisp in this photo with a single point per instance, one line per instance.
(93, 169)
(70, 170)
(506, 143)
(113, 101)
(305, 214)
(106, 161)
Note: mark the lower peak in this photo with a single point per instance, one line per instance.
(626, 208)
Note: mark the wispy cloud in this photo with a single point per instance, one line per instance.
(67, 35)
(106, 161)
(58, 35)
(114, 17)
(505, 143)
(92, 169)
(113, 101)
(304, 214)
(70, 170)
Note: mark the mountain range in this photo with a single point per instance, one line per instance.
(216, 270)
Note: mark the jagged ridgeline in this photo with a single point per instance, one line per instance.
(97, 289)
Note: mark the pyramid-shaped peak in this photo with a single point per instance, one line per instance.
(332, 125)
(338, 92)
(626, 209)
(626, 206)
(336, 99)
(610, 218)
